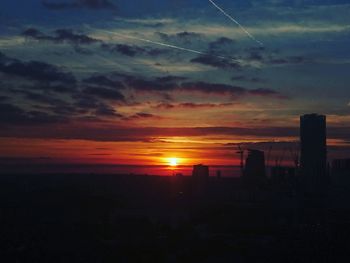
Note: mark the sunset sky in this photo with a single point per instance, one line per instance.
(83, 81)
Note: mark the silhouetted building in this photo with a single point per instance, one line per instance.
(200, 171)
(341, 166)
(255, 164)
(218, 174)
(281, 174)
(313, 156)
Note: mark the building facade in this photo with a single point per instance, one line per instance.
(313, 155)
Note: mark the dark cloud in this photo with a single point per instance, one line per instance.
(183, 37)
(133, 50)
(173, 83)
(141, 115)
(213, 88)
(91, 103)
(248, 79)
(234, 91)
(72, 4)
(59, 88)
(170, 79)
(44, 98)
(150, 134)
(267, 93)
(128, 50)
(13, 115)
(82, 51)
(106, 110)
(124, 49)
(104, 93)
(3, 98)
(35, 70)
(257, 56)
(49, 102)
(84, 101)
(60, 36)
(78, 39)
(289, 60)
(272, 57)
(221, 43)
(155, 52)
(141, 84)
(103, 81)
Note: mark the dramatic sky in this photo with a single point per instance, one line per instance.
(84, 81)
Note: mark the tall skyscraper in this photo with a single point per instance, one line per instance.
(313, 156)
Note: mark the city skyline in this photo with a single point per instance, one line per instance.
(85, 82)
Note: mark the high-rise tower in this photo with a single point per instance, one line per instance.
(313, 156)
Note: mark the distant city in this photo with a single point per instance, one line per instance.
(295, 214)
(310, 162)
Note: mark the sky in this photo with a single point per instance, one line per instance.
(140, 82)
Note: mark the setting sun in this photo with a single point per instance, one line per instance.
(173, 161)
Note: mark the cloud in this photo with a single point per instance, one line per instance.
(289, 60)
(103, 81)
(150, 134)
(213, 88)
(191, 105)
(222, 44)
(48, 102)
(3, 98)
(35, 70)
(169, 78)
(145, 85)
(72, 4)
(267, 93)
(133, 50)
(141, 115)
(184, 37)
(173, 83)
(233, 91)
(146, 22)
(85, 101)
(44, 98)
(60, 36)
(106, 110)
(13, 115)
(56, 87)
(104, 93)
(124, 49)
(247, 79)
(77, 39)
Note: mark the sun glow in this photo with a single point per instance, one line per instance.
(173, 161)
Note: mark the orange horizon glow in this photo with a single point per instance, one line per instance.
(166, 151)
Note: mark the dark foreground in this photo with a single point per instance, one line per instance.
(106, 218)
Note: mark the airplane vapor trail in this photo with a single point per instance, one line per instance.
(236, 22)
(167, 45)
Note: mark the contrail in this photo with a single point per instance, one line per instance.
(236, 22)
(166, 45)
